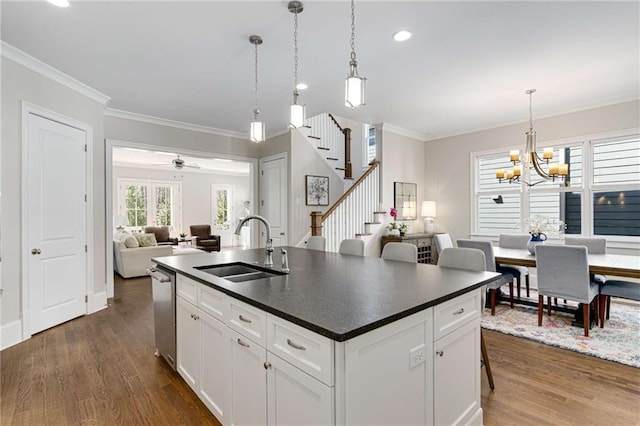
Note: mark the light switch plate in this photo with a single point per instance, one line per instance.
(417, 356)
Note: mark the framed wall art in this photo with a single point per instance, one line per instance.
(317, 190)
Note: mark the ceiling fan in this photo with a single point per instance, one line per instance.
(179, 164)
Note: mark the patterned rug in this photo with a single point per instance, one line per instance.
(618, 341)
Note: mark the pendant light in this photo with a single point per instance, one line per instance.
(257, 127)
(354, 84)
(297, 116)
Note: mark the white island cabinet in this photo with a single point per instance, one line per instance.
(261, 369)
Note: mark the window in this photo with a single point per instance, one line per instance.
(601, 195)
(369, 144)
(149, 203)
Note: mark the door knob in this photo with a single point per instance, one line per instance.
(36, 251)
(282, 233)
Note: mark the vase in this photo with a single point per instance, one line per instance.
(402, 233)
(395, 232)
(534, 241)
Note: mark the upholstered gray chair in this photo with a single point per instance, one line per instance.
(470, 260)
(594, 245)
(402, 252)
(616, 288)
(317, 243)
(352, 246)
(443, 241)
(515, 241)
(490, 265)
(563, 272)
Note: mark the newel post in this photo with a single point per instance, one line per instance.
(347, 153)
(316, 224)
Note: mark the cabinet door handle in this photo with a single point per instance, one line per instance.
(440, 353)
(243, 319)
(295, 345)
(241, 343)
(267, 365)
(459, 311)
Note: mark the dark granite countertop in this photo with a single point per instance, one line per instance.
(337, 296)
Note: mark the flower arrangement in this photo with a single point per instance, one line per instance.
(401, 227)
(540, 225)
(183, 235)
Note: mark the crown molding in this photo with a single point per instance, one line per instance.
(36, 65)
(127, 115)
(404, 132)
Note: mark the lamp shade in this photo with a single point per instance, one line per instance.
(257, 131)
(297, 116)
(428, 209)
(120, 221)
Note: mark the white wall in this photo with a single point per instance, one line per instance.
(21, 84)
(447, 179)
(196, 192)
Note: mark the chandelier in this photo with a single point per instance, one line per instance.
(354, 84)
(532, 160)
(257, 127)
(297, 115)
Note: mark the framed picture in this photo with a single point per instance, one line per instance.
(317, 190)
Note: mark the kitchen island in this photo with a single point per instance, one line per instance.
(339, 340)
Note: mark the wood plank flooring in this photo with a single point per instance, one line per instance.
(100, 369)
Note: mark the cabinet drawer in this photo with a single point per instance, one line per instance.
(309, 351)
(248, 321)
(187, 288)
(213, 302)
(455, 313)
(424, 242)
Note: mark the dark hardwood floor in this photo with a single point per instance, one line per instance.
(100, 369)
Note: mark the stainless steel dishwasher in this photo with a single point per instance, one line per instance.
(164, 311)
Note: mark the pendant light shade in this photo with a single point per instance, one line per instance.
(354, 84)
(297, 115)
(256, 131)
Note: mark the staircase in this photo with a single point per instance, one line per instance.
(332, 142)
(354, 214)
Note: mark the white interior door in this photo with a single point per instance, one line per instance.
(56, 223)
(274, 198)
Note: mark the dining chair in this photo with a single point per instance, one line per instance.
(490, 265)
(402, 252)
(353, 246)
(470, 260)
(443, 241)
(616, 288)
(317, 243)
(594, 245)
(515, 241)
(563, 272)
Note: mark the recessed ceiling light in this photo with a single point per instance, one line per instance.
(301, 86)
(59, 3)
(402, 35)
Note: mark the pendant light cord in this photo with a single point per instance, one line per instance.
(256, 111)
(295, 53)
(530, 110)
(353, 30)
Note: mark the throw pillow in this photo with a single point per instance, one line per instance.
(147, 240)
(131, 242)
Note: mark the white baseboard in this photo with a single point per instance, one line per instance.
(10, 334)
(97, 302)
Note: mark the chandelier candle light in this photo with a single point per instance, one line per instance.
(531, 159)
(257, 127)
(297, 116)
(354, 84)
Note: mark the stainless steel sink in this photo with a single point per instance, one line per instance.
(239, 272)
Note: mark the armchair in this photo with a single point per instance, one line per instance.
(203, 238)
(162, 235)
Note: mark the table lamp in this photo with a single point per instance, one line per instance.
(429, 213)
(120, 222)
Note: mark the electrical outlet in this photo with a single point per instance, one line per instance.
(416, 356)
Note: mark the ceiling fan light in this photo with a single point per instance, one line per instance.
(354, 91)
(297, 116)
(257, 131)
(59, 3)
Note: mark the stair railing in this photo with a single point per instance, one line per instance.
(331, 137)
(347, 217)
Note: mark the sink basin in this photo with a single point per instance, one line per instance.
(239, 272)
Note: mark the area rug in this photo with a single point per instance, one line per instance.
(618, 341)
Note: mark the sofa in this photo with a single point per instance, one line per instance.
(134, 261)
(203, 238)
(163, 237)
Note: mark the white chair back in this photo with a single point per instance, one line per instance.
(593, 245)
(514, 241)
(317, 243)
(487, 249)
(352, 246)
(443, 241)
(462, 258)
(402, 252)
(563, 272)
